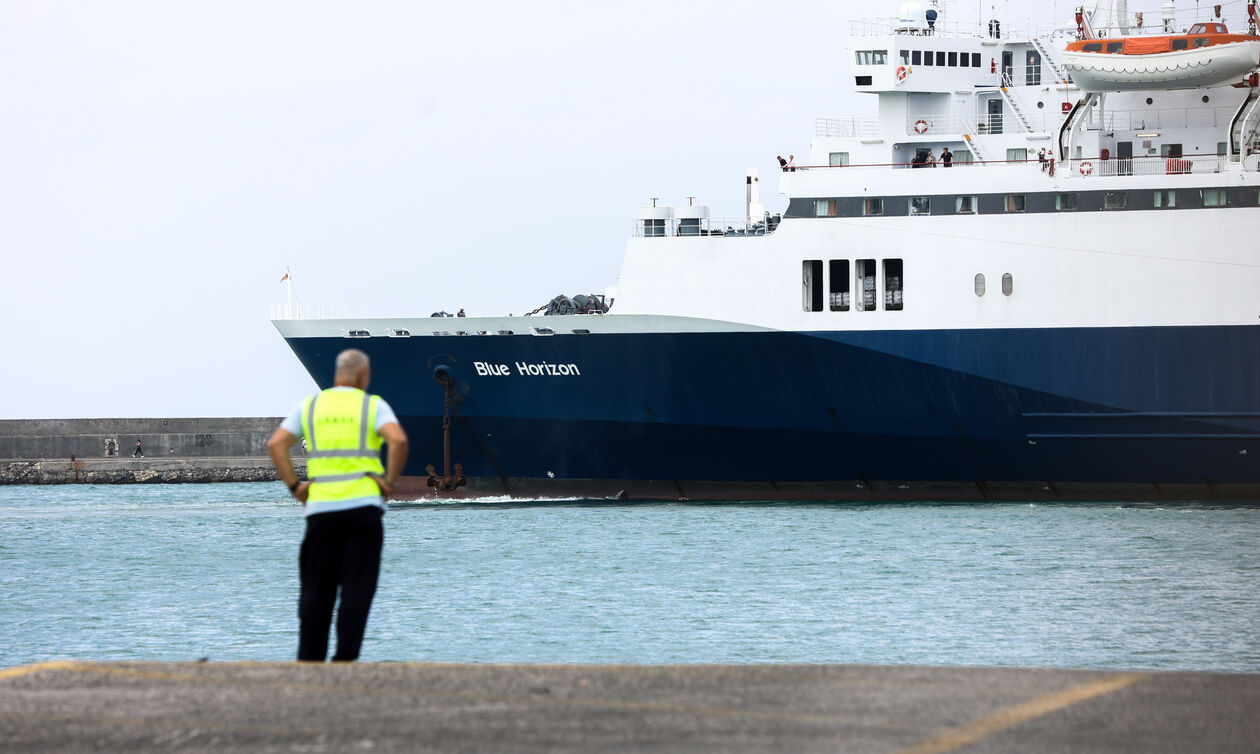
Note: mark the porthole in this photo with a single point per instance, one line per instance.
(1008, 284)
(979, 283)
(1205, 98)
(1040, 105)
(1150, 101)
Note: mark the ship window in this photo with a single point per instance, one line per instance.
(654, 228)
(1165, 198)
(838, 159)
(964, 59)
(1015, 203)
(1180, 44)
(1115, 200)
(839, 284)
(1214, 197)
(873, 206)
(975, 60)
(892, 284)
(905, 56)
(581, 331)
(1032, 68)
(940, 58)
(1019, 154)
(358, 334)
(1200, 41)
(1114, 46)
(826, 207)
(916, 57)
(864, 269)
(979, 284)
(812, 284)
(399, 333)
(953, 59)
(965, 205)
(920, 205)
(1093, 47)
(1065, 202)
(928, 57)
(1008, 284)
(862, 80)
(541, 331)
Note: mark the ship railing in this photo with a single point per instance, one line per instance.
(708, 226)
(985, 123)
(308, 310)
(846, 127)
(891, 25)
(1163, 118)
(1147, 165)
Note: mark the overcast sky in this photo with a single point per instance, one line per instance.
(162, 164)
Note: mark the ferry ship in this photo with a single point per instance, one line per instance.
(1067, 307)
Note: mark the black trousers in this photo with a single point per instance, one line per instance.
(341, 549)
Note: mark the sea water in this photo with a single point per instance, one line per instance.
(183, 572)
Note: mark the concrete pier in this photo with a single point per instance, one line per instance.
(254, 707)
(143, 470)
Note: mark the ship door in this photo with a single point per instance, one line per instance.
(1008, 66)
(995, 116)
(1124, 158)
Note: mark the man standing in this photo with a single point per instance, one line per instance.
(947, 157)
(344, 428)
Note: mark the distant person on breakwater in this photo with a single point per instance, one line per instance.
(139, 451)
(344, 498)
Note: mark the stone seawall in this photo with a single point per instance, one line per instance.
(28, 439)
(142, 471)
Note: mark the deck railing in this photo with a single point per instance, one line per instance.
(709, 226)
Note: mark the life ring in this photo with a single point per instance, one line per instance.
(1087, 167)
(920, 126)
(901, 73)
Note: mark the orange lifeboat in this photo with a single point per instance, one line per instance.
(1205, 56)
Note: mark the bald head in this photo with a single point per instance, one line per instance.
(353, 369)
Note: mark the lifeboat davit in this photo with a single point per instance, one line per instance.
(1205, 56)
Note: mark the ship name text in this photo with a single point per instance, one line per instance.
(539, 369)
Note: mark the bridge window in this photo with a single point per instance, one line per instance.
(1165, 198)
(1115, 200)
(826, 207)
(872, 57)
(865, 276)
(892, 284)
(812, 284)
(917, 57)
(1214, 197)
(654, 228)
(838, 283)
(928, 57)
(1015, 203)
(953, 59)
(965, 205)
(920, 205)
(975, 60)
(1065, 202)
(964, 60)
(873, 206)
(940, 58)
(905, 56)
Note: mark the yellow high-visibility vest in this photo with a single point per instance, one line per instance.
(342, 447)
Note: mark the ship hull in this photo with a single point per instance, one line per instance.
(1048, 413)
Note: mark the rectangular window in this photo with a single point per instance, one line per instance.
(965, 205)
(812, 284)
(873, 206)
(863, 57)
(1200, 41)
(838, 159)
(864, 271)
(1165, 198)
(1115, 200)
(1115, 47)
(1065, 202)
(916, 57)
(654, 228)
(953, 59)
(920, 205)
(1214, 197)
(928, 57)
(905, 56)
(940, 58)
(1093, 47)
(879, 57)
(1180, 44)
(964, 60)
(838, 284)
(1014, 203)
(975, 60)
(1017, 155)
(892, 285)
(826, 207)
(862, 80)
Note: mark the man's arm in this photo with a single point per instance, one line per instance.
(395, 458)
(278, 446)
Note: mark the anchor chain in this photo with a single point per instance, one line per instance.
(447, 481)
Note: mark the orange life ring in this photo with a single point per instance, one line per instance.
(901, 73)
(920, 126)
(1087, 167)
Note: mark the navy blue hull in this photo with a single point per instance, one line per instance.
(1095, 412)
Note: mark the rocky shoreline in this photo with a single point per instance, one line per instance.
(142, 470)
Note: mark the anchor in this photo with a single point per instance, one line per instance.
(447, 481)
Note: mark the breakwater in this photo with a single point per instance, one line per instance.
(103, 451)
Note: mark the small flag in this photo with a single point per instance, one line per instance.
(286, 277)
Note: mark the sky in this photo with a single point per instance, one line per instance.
(162, 164)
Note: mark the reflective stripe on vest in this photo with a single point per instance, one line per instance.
(342, 445)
